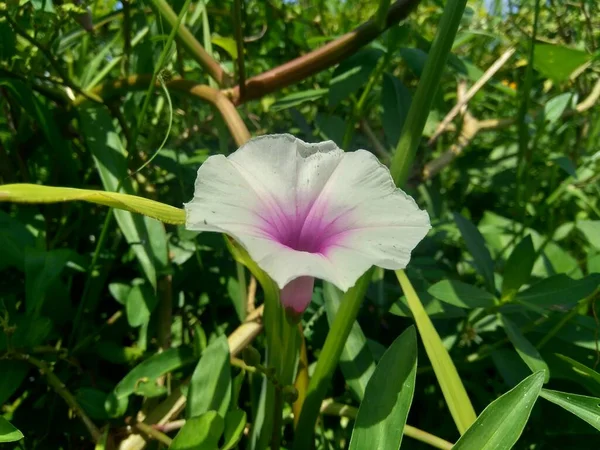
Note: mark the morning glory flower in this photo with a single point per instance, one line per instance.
(304, 211)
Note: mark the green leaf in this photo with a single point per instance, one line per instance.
(92, 401)
(432, 306)
(482, 260)
(63, 162)
(445, 371)
(557, 62)
(524, 348)
(584, 407)
(567, 165)
(395, 101)
(580, 368)
(12, 374)
(555, 107)
(200, 433)
(141, 301)
(591, 230)
(332, 127)
(14, 240)
(352, 74)
(8, 433)
(146, 372)
(518, 267)
(210, 386)
(226, 43)
(35, 193)
(559, 290)
(461, 294)
(382, 414)
(297, 98)
(111, 161)
(356, 360)
(42, 269)
(235, 422)
(501, 423)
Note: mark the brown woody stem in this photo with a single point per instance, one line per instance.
(234, 122)
(330, 54)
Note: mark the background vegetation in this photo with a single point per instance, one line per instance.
(111, 320)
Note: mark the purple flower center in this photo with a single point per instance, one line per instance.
(306, 231)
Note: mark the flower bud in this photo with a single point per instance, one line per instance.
(289, 393)
(251, 356)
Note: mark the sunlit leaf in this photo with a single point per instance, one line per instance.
(501, 423)
(383, 411)
(586, 408)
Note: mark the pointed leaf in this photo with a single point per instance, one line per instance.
(110, 157)
(524, 348)
(200, 433)
(584, 407)
(445, 371)
(501, 423)
(235, 422)
(461, 294)
(518, 267)
(356, 361)
(210, 386)
(559, 290)
(581, 369)
(382, 414)
(8, 433)
(395, 101)
(475, 243)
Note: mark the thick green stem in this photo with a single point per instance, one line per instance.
(428, 85)
(328, 361)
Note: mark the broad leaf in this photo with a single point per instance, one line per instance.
(557, 62)
(9, 433)
(501, 423)
(475, 243)
(356, 360)
(352, 74)
(395, 101)
(145, 375)
(210, 386)
(559, 290)
(461, 294)
(524, 348)
(200, 433)
(584, 407)
(518, 267)
(382, 414)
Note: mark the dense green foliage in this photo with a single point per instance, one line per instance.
(109, 316)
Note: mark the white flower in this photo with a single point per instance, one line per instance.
(305, 211)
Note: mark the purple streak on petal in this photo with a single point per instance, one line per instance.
(312, 230)
(296, 295)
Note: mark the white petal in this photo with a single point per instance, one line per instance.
(277, 193)
(382, 224)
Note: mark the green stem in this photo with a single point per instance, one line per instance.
(328, 361)
(428, 85)
(190, 43)
(277, 416)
